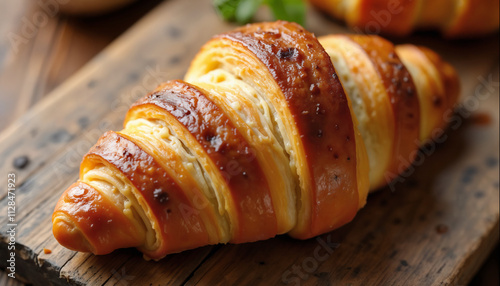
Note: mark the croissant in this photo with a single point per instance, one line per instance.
(260, 139)
(454, 18)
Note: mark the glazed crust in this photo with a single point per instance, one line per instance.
(402, 95)
(161, 195)
(260, 139)
(400, 98)
(321, 115)
(87, 221)
(437, 87)
(225, 146)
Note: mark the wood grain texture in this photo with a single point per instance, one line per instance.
(40, 48)
(436, 226)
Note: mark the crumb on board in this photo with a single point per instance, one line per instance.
(47, 251)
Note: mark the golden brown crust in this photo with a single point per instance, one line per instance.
(84, 220)
(448, 76)
(226, 147)
(264, 85)
(320, 111)
(403, 97)
(162, 195)
(369, 101)
(438, 86)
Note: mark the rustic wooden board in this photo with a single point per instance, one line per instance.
(34, 61)
(436, 226)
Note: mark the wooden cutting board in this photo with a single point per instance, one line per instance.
(436, 225)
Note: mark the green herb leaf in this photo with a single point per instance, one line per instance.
(227, 9)
(296, 10)
(242, 11)
(246, 10)
(288, 10)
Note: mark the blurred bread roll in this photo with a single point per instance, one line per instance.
(454, 18)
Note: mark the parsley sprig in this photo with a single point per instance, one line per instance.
(242, 11)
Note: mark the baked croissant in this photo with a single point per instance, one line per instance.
(454, 18)
(259, 140)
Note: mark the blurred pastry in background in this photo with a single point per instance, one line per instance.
(454, 18)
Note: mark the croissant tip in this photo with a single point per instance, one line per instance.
(68, 235)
